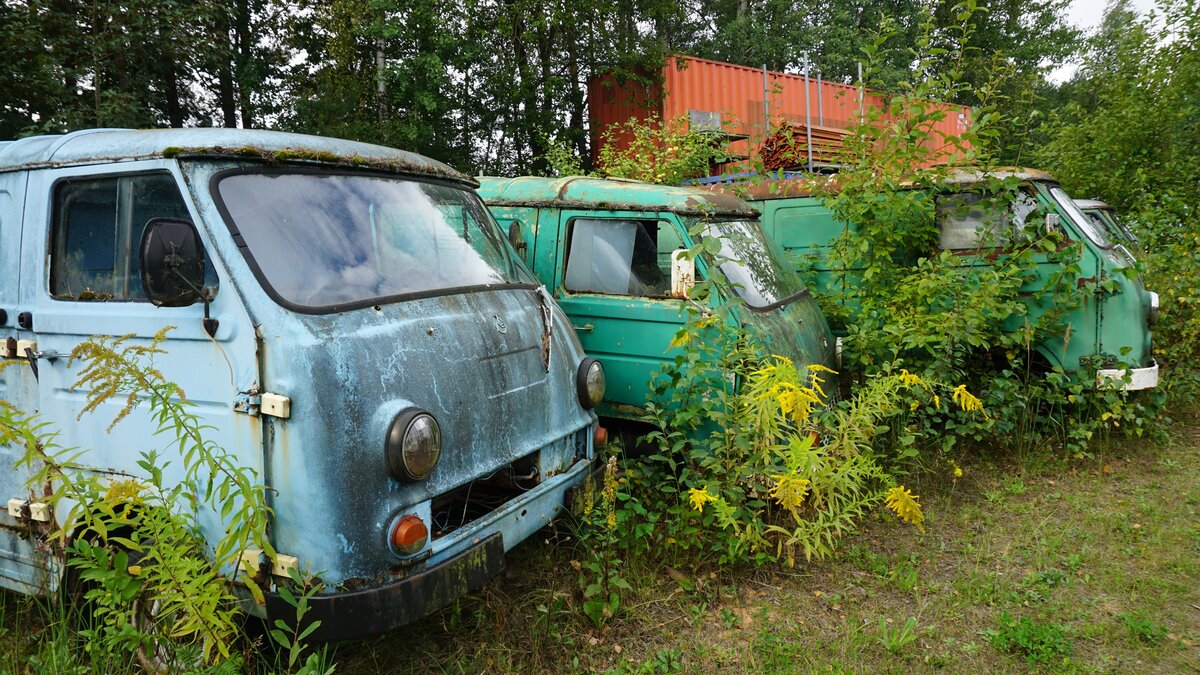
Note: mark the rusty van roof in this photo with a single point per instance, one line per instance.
(106, 146)
(615, 194)
(809, 186)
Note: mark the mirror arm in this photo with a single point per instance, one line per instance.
(210, 324)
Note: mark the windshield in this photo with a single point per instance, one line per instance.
(746, 260)
(337, 241)
(1068, 205)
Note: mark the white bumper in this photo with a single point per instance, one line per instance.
(1139, 378)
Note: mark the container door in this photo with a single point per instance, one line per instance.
(83, 232)
(614, 283)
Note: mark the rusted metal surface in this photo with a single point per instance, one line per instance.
(409, 599)
(578, 192)
(106, 146)
(765, 188)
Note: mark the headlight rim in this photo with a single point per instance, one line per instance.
(394, 450)
(581, 382)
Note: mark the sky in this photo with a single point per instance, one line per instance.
(1086, 14)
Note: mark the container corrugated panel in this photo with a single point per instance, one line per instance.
(613, 101)
(743, 98)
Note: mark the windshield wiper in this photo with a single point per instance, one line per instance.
(780, 304)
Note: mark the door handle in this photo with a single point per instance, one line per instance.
(585, 328)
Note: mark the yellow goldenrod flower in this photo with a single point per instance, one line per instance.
(904, 503)
(699, 498)
(966, 400)
(909, 380)
(790, 490)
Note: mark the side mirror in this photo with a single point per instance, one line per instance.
(1053, 222)
(172, 261)
(683, 273)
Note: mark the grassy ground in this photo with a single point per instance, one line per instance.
(1027, 564)
(1088, 565)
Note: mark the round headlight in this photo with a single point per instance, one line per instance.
(1152, 317)
(414, 444)
(589, 383)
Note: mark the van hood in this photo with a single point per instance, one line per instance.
(472, 360)
(798, 331)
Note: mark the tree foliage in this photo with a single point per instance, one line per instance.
(489, 86)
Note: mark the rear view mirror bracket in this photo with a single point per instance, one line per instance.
(683, 273)
(172, 267)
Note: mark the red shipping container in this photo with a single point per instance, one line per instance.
(741, 101)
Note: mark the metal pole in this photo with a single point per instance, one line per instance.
(820, 100)
(860, 91)
(766, 104)
(807, 114)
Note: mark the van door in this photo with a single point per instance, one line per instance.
(24, 565)
(82, 274)
(809, 235)
(976, 230)
(614, 282)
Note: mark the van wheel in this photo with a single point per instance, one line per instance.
(160, 654)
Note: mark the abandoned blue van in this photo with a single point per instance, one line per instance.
(349, 321)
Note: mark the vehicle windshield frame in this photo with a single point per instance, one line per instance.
(712, 227)
(486, 221)
(1098, 236)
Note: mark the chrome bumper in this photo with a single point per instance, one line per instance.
(1139, 378)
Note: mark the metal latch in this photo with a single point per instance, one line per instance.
(27, 510)
(253, 403)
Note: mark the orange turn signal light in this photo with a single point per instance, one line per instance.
(409, 535)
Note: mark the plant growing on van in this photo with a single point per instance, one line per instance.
(956, 316)
(156, 587)
(659, 151)
(749, 462)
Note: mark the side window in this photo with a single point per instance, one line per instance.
(969, 220)
(622, 257)
(97, 229)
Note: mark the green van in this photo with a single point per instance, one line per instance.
(610, 252)
(1104, 216)
(1113, 324)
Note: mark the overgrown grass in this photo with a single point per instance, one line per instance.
(1081, 565)
(1029, 563)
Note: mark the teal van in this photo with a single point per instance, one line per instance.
(350, 323)
(1105, 217)
(609, 251)
(1112, 327)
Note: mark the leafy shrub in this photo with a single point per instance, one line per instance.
(659, 151)
(1039, 643)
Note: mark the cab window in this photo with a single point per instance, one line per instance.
(97, 228)
(971, 220)
(622, 257)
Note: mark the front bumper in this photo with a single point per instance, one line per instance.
(1139, 378)
(477, 556)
